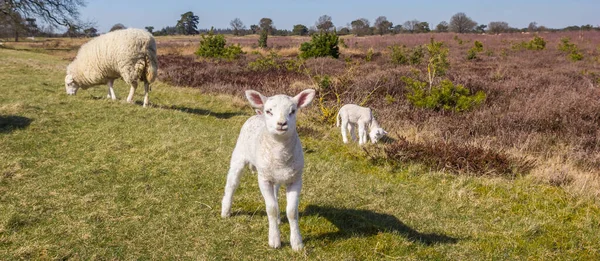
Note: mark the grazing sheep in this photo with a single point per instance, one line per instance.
(129, 54)
(269, 143)
(353, 116)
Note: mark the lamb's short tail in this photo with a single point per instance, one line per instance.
(151, 62)
(337, 119)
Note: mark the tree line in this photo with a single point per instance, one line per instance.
(21, 18)
(458, 23)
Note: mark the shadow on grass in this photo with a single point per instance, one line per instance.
(11, 123)
(363, 223)
(197, 111)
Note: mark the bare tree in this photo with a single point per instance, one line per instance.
(533, 27)
(52, 12)
(498, 27)
(360, 27)
(324, 23)
(382, 25)
(237, 26)
(442, 27)
(461, 23)
(410, 26)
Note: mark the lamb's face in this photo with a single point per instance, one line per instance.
(280, 114)
(376, 134)
(70, 85)
(279, 111)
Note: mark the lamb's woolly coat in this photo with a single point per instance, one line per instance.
(269, 143)
(129, 54)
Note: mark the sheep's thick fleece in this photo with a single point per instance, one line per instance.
(127, 53)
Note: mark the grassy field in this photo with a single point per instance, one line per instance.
(87, 178)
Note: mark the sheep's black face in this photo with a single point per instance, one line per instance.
(70, 85)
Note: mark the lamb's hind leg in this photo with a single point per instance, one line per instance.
(345, 125)
(146, 91)
(293, 198)
(233, 180)
(132, 91)
(362, 134)
(266, 188)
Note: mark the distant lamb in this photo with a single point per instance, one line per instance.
(353, 116)
(129, 54)
(269, 143)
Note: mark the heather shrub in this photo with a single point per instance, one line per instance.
(265, 63)
(369, 56)
(400, 55)
(478, 46)
(471, 54)
(416, 55)
(456, 158)
(214, 46)
(571, 49)
(328, 112)
(537, 43)
(321, 45)
(458, 40)
(447, 96)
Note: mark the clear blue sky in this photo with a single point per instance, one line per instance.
(286, 13)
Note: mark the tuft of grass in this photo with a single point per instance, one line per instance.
(89, 178)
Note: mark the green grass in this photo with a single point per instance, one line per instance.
(87, 178)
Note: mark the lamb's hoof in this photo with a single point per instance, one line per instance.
(297, 247)
(276, 244)
(225, 214)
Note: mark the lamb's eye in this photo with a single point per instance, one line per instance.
(269, 112)
(292, 112)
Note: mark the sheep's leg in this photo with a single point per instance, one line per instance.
(111, 91)
(233, 180)
(344, 129)
(146, 91)
(362, 134)
(293, 198)
(276, 191)
(131, 91)
(352, 132)
(266, 188)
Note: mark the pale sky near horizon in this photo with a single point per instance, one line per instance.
(286, 13)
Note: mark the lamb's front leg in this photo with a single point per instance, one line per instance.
(362, 134)
(266, 189)
(293, 198)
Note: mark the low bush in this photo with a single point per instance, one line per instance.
(446, 96)
(214, 46)
(321, 45)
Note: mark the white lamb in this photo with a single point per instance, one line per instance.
(269, 143)
(353, 116)
(129, 54)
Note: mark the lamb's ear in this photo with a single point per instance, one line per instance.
(304, 98)
(68, 79)
(256, 99)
